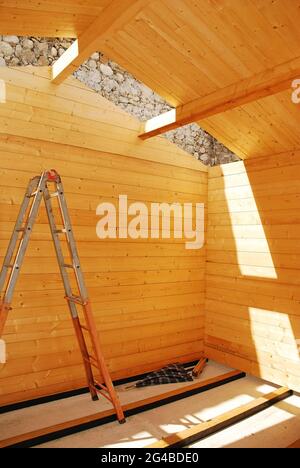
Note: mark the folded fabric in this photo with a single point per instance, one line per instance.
(171, 373)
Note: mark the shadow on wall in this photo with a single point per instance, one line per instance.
(252, 305)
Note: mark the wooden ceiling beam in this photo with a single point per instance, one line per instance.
(264, 84)
(111, 19)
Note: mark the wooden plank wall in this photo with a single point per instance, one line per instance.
(148, 295)
(253, 267)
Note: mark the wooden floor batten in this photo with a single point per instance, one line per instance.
(83, 423)
(200, 431)
(295, 444)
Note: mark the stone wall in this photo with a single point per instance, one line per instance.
(117, 85)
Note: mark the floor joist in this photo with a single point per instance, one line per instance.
(203, 430)
(87, 422)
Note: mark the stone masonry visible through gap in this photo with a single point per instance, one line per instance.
(118, 86)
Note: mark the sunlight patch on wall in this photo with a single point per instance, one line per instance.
(273, 337)
(2, 92)
(254, 253)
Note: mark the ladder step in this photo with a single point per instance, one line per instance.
(20, 230)
(85, 328)
(68, 265)
(103, 387)
(54, 194)
(77, 300)
(90, 361)
(60, 231)
(92, 358)
(12, 266)
(33, 194)
(104, 393)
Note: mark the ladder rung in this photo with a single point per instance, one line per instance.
(54, 194)
(12, 266)
(101, 392)
(20, 230)
(77, 300)
(103, 387)
(60, 231)
(33, 194)
(85, 328)
(68, 265)
(92, 358)
(90, 361)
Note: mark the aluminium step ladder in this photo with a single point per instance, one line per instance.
(36, 191)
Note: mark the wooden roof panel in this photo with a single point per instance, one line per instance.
(50, 18)
(198, 45)
(187, 49)
(207, 44)
(265, 127)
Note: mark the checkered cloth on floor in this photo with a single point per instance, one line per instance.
(170, 374)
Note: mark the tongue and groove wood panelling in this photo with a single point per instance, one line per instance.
(148, 295)
(67, 18)
(253, 267)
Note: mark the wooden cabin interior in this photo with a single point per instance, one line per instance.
(232, 67)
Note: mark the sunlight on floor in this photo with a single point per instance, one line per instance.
(172, 428)
(132, 442)
(264, 430)
(264, 388)
(280, 414)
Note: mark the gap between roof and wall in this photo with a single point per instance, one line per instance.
(118, 86)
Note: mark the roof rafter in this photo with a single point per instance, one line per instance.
(112, 18)
(264, 84)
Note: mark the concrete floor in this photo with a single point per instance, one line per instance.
(278, 426)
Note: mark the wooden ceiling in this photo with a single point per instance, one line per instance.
(49, 18)
(186, 50)
(262, 128)
(190, 48)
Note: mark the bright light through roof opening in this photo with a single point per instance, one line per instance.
(161, 120)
